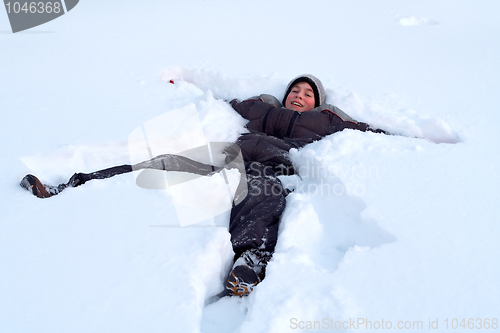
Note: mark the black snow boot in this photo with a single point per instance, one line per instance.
(35, 186)
(241, 280)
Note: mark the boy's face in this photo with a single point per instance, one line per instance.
(300, 98)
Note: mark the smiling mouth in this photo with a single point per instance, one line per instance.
(297, 104)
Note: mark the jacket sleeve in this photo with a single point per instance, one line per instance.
(252, 109)
(338, 124)
(360, 126)
(340, 121)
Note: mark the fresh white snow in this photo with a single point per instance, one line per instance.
(401, 229)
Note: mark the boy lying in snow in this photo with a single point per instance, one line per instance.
(274, 130)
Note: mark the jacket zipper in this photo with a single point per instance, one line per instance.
(264, 122)
(290, 125)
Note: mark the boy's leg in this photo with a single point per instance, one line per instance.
(254, 222)
(81, 178)
(163, 162)
(169, 162)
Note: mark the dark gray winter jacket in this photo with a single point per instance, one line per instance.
(274, 130)
(271, 119)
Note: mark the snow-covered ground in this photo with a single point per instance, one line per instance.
(397, 232)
